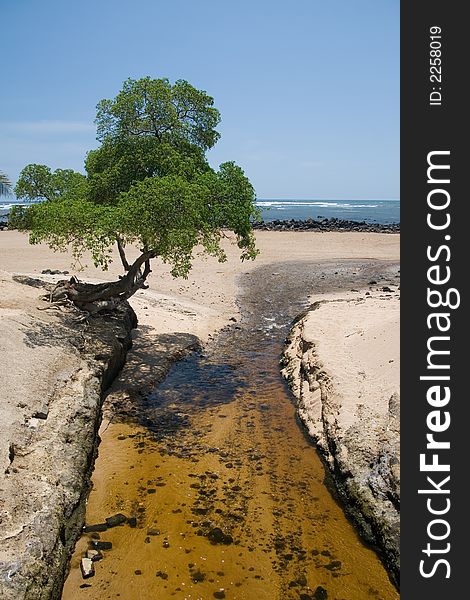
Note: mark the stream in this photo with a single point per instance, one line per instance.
(229, 498)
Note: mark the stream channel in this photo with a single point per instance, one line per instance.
(230, 498)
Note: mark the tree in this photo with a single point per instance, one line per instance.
(5, 185)
(38, 182)
(148, 184)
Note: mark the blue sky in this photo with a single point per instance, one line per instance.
(308, 89)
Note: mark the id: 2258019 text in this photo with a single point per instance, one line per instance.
(435, 65)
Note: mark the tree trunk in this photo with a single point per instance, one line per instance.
(97, 297)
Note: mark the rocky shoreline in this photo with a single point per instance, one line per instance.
(53, 453)
(319, 224)
(324, 224)
(364, 459)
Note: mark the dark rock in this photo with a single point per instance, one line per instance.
(387, 289)
(31, 281)
(99, 545)
(288, 557)
(320, 593)
(42, 412)
(217, 536)
(324, 224)
(200, 511)
(334, 565)
(132, 522)
(219, 594)
(95, 527)
(161, 574)
(153, 531)
(115, 520)
(197, 576)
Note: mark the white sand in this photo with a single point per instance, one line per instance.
(356, 337)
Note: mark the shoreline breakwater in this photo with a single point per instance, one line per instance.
(331, 224)
(321, 224)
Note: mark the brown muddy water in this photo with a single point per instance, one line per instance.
(230, 499)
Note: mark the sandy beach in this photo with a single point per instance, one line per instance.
(210, 290)
(196, 308)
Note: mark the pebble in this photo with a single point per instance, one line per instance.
(115, 520)
(102, 545)
(132, 522)
(87, 568)
(320, 593)
(217, 536)
(95, 527)
(94, 555)
(161, 574)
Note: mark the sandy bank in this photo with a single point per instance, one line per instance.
(342, 362)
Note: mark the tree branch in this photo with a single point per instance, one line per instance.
(122, 253)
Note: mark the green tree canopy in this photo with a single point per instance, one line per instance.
(154, 107)
(38, 182)
(149, 184)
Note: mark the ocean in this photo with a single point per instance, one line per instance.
(370, 211)
(5, 206)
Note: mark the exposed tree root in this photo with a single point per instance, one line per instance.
(93, 298)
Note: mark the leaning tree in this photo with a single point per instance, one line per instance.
(148, 184)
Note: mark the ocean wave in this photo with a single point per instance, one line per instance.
(282, 205)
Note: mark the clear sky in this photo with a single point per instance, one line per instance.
(308, 89)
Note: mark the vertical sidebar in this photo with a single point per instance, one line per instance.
(434, 250)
